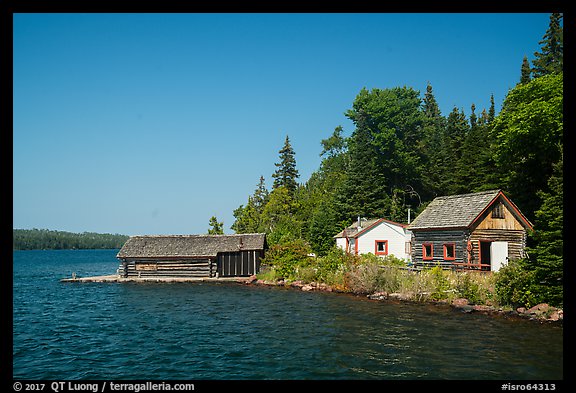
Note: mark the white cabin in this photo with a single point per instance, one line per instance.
(377, 236)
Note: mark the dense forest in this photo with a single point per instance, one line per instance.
(404, 152)
(44, 239)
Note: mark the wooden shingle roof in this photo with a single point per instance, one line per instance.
(461, 211)
(189, 246)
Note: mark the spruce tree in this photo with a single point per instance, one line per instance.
(550, 59)
(547, 255)
(453, 146)
(286, 174)
(473, 117)
(525, 71)
(260, 196)
(433, 131)
(475, 163)
(386, 150)
(216, 228)
(491, 110)
(431, 108)
(365, 188)
(249, 217)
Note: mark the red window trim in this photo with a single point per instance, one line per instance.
(426, 257)
(446, 257)
(376, 252)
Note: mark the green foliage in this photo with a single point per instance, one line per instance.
(404, 152)
(366, 276)
(44, 239)
(249, 217)
(514, 285)
(525, 71)
(550, 59)
(547, 255)
(527, 138)
(286, 257)
(385, 153)
(440, 282)
(216, 228)
(279, 213)
(475, 286)
(286, 174)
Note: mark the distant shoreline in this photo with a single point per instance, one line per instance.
(45, 239)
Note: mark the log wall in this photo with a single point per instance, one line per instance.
(438, 239)
(516, 241)
(201, 267)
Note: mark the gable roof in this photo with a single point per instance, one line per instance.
(189, 246)
(461, 211)
(353, 231)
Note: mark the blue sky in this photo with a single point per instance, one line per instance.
(152, 123)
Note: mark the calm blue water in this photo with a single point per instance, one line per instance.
(231, 331)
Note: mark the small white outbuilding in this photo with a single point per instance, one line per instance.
(377, 236)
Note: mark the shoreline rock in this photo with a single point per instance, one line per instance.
(542, 312)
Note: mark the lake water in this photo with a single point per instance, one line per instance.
(157, 331)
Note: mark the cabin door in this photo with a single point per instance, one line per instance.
(498, 255)
(486, 254)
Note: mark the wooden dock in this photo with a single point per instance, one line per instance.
(116, 278)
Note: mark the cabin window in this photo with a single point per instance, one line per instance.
(449, 251)
(498, 211)
(381, 247)
(427, 251)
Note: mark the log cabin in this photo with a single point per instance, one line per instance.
(192, 255)
(377, 236)
(479, 231)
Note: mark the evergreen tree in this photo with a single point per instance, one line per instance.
(246, 218)
(491, 110)
(216, 228)
(433, 160)
(525, 71)
(456, 131)
(547, 255)
(385, 150)
(364, 191)
(249, 217)
(260, 196)
(279, 213)
(473, 117)
(476, 164)
(431, 108)
(321, 210)
(550, 59)
(286, 174)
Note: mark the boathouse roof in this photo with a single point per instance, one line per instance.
(189, 246)
(462, 211)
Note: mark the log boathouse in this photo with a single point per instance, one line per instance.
(155, 256)
(479, 231)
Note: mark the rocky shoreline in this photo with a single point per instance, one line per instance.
(542, 312)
